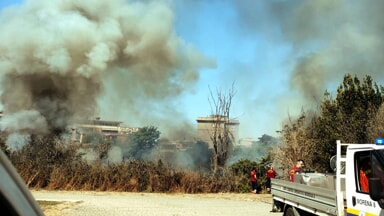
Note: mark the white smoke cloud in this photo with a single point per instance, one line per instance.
(89, 155)
(115, 155)
(24, 120)
(16, 141)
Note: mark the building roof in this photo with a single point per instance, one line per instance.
(213, 118)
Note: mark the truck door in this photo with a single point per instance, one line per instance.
(378, 171)
(357, 189)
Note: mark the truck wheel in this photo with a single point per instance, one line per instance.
(291, 212)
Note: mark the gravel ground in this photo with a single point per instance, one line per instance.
(81, 203)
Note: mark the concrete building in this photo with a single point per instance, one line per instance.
(206, 126)
(109, 129)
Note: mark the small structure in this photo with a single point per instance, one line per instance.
(206, 126)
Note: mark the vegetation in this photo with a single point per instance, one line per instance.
(352, 117)
(143, 141)
(375, 125)
(45, 163)
(295, 143)
(221, 136)
(355, 115)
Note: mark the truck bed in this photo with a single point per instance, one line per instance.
(310, 198)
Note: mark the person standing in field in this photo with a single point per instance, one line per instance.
(271, 173)
(254, 180)
(296, 169)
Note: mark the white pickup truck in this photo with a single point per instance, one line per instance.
(341, 193)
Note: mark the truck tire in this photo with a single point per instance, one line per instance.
(291, 212)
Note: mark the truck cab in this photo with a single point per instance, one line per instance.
(363, 163)
(356, 187)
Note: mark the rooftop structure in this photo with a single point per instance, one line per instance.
(110, 129)
(206, 125)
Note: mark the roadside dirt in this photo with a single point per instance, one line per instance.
(77, 203)
(55, 208)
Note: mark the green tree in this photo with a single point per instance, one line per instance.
(356, 104)
(346, 117)
(144, 140)
(376, 126)
(243, 167)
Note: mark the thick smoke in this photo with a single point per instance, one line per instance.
(328, 38)
(58, 58)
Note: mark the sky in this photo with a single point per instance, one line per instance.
(280, 56)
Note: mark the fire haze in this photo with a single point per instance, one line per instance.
(123, 60)
(58, 57)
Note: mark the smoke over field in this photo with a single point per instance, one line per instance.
(65, 60)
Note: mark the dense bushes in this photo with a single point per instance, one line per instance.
(46, 163)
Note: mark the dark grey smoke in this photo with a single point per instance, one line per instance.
(58, 58)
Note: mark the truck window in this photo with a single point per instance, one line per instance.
(363, 170)
(378, 169)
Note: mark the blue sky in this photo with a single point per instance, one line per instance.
(8, 2)
(281, 55)
(251, 62)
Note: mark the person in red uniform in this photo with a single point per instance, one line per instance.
(296, 169)
(271, 173)
(365, 173)
(254, 180)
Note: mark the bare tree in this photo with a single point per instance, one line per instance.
(296, 144)
(221, 136)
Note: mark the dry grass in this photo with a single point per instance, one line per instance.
(131, 176)
(54, 167)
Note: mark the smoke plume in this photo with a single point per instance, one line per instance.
(305, 48)
(61, 60)
(328, 38)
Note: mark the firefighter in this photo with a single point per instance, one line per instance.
(365, 173)
(296, 169)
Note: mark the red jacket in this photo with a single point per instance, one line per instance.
(271, 173)
(292, 173)
(253, 176)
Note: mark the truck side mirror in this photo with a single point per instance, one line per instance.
(375, 189)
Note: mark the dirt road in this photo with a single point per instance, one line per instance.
(123, 203)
